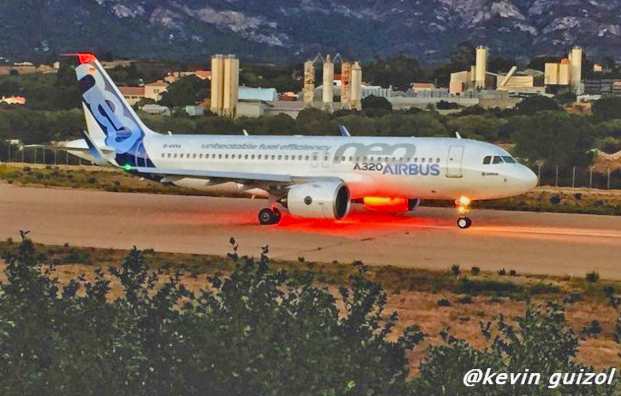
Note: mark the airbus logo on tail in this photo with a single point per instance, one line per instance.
(122, 132)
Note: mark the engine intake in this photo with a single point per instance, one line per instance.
(323, 199)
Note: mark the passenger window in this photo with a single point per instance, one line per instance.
(286, 157)
(175, 155)
(438, 160)
(416, 159)
(220, 156)
(508, 160)
(168, 155)
(299, 157)
(422, 160)
(487, 160)
(252, 157)
(194, 155)
(497, 160)
(307, 157)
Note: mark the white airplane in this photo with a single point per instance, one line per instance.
(310, 177)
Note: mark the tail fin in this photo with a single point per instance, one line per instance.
(109, 118)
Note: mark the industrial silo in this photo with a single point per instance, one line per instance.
(346, 85)
(217, 83)
(356, 86)
(481, 67)
(328, 83)
(309, 83)
(231, 86)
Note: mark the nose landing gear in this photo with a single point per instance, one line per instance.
(463, 207)
(269, 216)
(464, 222)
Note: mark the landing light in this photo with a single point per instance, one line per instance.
(464, 201)
(127, 167)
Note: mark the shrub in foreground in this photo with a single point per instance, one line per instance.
(254, 331)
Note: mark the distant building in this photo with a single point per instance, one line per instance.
(156, 109)
(13, 100)
(195, 110)
(258, 94)
(602, 87)
(421, 87)
(155, 90)
(133, 95)
(174, 76)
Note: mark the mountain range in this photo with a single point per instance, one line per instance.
(281, 30)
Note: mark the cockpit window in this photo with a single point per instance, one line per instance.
(487, 160)
(508, 159)
(497, 160)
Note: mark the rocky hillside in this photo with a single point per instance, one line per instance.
(282, 29)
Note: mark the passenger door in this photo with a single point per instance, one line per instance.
(455, 157)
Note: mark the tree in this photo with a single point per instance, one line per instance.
(607, 108)
(533, 104)
(185, 91)
(463, 56)
(376, 106)
(313, 122)
(399, 72)
(555, 138)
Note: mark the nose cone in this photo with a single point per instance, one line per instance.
(525, 179)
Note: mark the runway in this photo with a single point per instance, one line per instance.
(540, 243)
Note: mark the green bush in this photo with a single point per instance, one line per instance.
(592, 277)
(541, 341)
(253, 332)
(475, 271)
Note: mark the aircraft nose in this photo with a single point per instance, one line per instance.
(526, 178)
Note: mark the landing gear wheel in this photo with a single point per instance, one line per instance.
(464, 222)
(276, 216)
(265, 217)
(269, 216)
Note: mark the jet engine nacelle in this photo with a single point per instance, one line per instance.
(322, 199)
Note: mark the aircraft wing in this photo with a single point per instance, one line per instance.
(222, 175)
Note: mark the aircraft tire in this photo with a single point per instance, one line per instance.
(464, 222)
(266, 216)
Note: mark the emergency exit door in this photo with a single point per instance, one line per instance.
(455, 157)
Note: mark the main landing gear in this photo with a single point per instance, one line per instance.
(269, 216)
(463, 207)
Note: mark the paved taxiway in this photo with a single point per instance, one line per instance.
(559, 244)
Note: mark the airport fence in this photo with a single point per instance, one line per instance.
(578, 177)
(549, 175)
(36, 154)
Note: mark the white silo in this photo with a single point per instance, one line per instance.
(346, 85)
(356, 86)
(309, 83)
(231, 86)
(575, 60)
(217, 83)
(481, 67)
(328, 83)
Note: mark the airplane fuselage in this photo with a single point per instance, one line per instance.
(425, 168)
